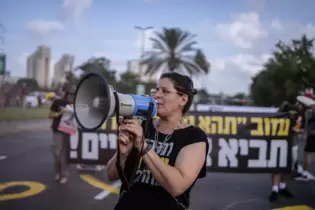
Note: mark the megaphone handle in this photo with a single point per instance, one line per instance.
(145, 126)
(120, 171)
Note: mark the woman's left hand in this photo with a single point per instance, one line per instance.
(135, 128)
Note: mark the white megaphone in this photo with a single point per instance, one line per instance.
(95, 101)
(305, 101)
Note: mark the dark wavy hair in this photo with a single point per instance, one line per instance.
(183, 84)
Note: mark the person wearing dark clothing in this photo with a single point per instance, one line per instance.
(309, 145)
(39, 100)
(279, 180)
(60, 140)
(173, 153)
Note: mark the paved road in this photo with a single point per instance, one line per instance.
(29, 159)
(6, 126)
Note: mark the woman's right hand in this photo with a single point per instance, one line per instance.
(125, 143)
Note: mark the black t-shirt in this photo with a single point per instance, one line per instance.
(303, 122)
(293, 122)
(56, 107)
(146, 193)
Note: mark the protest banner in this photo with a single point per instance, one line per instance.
(239, 142)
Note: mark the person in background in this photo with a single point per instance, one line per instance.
(39, 100)
(310, 142)
(279, 180)
(50, 96)
(60, 140)
(298, 137)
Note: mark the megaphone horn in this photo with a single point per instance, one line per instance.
(95, 101)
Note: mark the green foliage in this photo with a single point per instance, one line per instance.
(175, 49)
(30, 84)
(128, 82)
(288, 72)
(172, 47)
(2, 64)
(203, 96)
(100, 65)
(23, 113)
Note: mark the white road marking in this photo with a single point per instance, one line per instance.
(3, 157)
(251, 200)
(102, 195)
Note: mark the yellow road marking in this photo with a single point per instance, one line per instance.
(99, 184)
(34, 188)
(299, 207)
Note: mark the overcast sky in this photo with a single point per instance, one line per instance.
(236, 35)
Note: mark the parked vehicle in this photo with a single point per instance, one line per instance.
(35, 99)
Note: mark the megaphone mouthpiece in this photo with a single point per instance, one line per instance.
(100, 102)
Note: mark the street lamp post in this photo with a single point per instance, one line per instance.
(142, 42)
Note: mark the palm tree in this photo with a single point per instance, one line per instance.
(175, 49)
(201, 60)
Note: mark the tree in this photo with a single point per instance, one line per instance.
(128, 82)
(175, 49)
(201, 60)
(288, 72)
(149, 86)
(2, 64)
(239, 99)
(71, 78)
(262, 89)
(100, 65)
(203, 96)
(27, 83)
(239, 96)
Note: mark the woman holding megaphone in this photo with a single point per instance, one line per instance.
(173, 153)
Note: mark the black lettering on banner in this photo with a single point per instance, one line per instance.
(108, 141)
(238, 142)
(90, 146)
